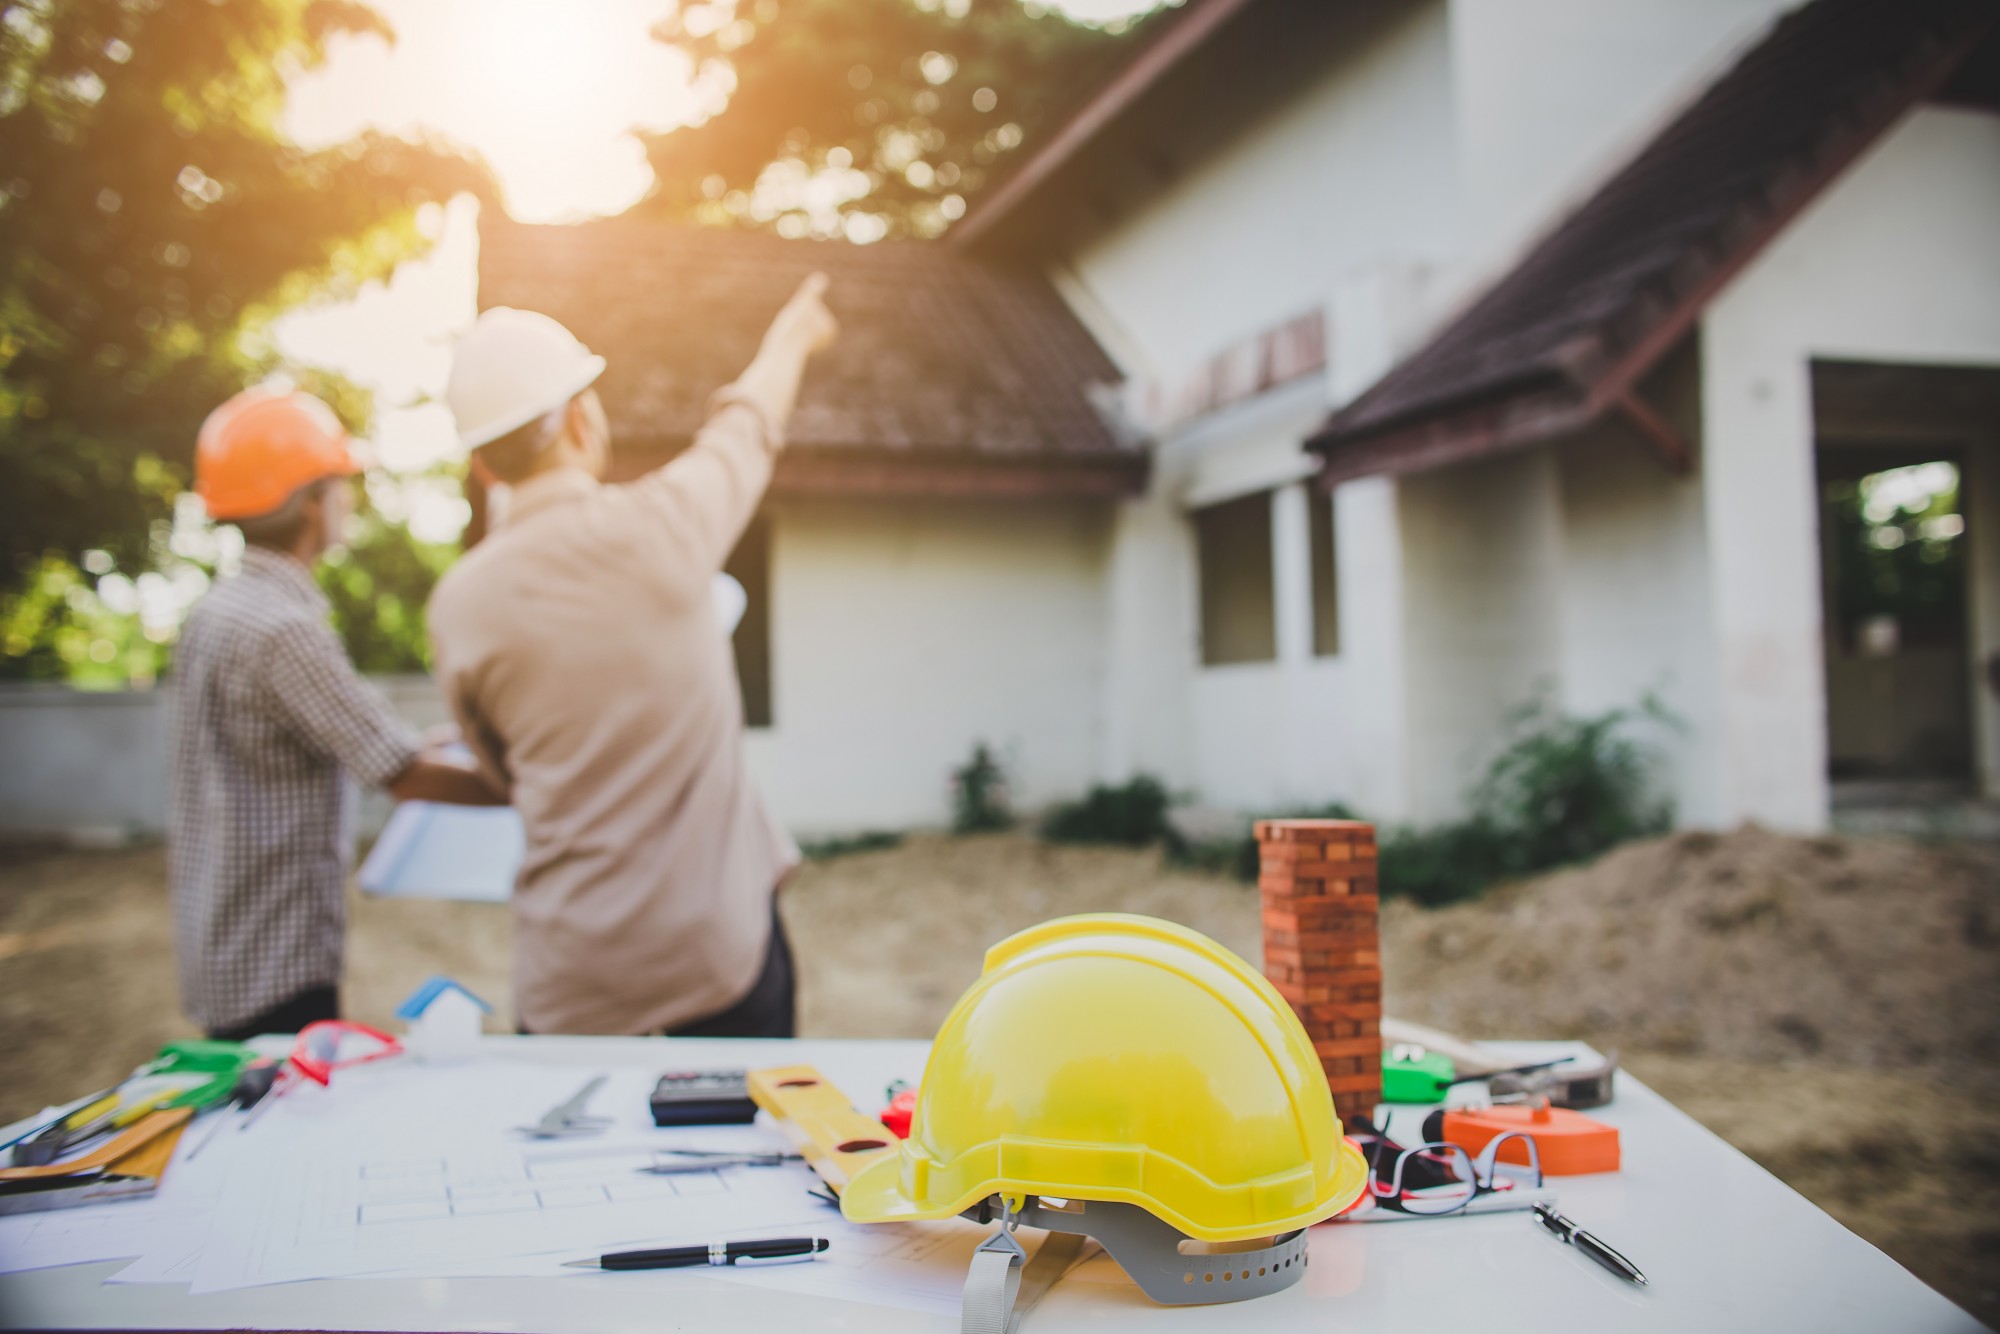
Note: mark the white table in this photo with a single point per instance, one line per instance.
(1726, 1245)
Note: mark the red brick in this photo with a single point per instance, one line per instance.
(1356, 1048)
(1338, 1084)
(1281, 831)
(1370, 1014)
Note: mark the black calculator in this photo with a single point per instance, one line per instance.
(703, 1098)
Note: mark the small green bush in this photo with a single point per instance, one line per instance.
(979, 795)
(1568, 788)
(1444, 863)
(1131, 814)
(870, 840)
(1561, 791)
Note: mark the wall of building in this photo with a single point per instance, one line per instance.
(1552, 95)
(1635, 611)
(903, 633)
(1482, 578)
(1896, 262)
(92, 766)
(1356, 170)
(1300, 729)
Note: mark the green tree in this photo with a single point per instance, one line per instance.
(379, 585)
(917, 104)
(152, 219)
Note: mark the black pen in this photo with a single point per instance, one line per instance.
(715, 1253)
(1589, 1245)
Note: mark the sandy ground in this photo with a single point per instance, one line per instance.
(1830, 1006)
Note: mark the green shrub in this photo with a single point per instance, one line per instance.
(1568, 788)
(1131, 814)
(1561, 791)
(871, 840)
(1443, 863)
(979, 795)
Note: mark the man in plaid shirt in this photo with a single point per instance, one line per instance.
(272, 721)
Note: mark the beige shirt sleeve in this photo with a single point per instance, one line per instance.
(704, 498)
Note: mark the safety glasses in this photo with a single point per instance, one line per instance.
(336, 1044)
(1439, 1178)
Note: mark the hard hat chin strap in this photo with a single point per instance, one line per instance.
(1168, 1266)
(1002, 1284)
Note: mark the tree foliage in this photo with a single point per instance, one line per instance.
(379, 585)
(1897, 557)
(909, 107)
(152, 217)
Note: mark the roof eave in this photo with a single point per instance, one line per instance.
(1105, 106)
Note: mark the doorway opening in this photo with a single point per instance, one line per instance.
(1908, 464)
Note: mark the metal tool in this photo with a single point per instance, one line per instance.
(567, 1119)
(253, 1086)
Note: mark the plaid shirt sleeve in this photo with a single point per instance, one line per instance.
(317, 690)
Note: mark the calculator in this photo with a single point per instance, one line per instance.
(703, 1098)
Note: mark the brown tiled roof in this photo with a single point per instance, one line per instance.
(1565, 336)
(950, 374)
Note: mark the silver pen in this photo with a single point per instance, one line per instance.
(1567, 1231)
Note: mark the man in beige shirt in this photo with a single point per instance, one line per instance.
(579, 648)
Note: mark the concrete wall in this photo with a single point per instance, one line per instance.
(904, 632)
(1482, 579)
(1635, 608)
(1300, 730)
(92, 766)
(1552, 95)
(1896, 262)
(1357, 170)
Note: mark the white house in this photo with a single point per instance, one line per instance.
(1465, 349)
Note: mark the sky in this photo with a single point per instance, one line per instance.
(549, 93)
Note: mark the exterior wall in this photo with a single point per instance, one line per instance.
(902, 633)
(1551, 95)
(1482, 552)
(1635, 610)
(92, 766)
(1355, 172)
(1896, 262)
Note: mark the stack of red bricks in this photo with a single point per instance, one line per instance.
(1323, 948)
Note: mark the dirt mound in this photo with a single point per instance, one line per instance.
(1750, 946)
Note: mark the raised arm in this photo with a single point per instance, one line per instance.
(770, 384)
(704, 498)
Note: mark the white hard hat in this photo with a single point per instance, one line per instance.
(512, 367)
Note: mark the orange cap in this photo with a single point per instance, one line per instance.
(264, 444)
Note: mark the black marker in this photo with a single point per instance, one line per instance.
(715, 1253)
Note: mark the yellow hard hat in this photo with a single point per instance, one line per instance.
(1123, 1059)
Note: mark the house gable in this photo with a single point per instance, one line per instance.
(1565, 338)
